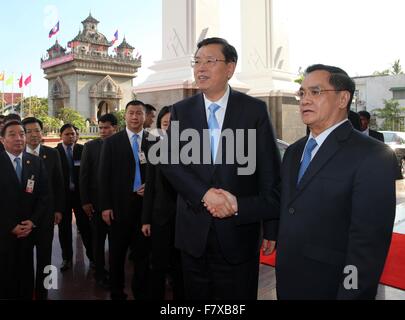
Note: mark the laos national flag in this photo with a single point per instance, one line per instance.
(54, 30)
(115, 38)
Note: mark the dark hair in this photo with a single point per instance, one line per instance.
(66, 126)
(165, 110)
(149, 108)
(2, 116)
(364, 114)
(108, 117)
(12, 116)
(9, 124)
(339, 79)
(135, 103)
(228, 50)
(32, 120)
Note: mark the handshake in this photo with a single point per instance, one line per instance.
(220, 203)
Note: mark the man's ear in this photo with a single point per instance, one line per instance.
(344, 99)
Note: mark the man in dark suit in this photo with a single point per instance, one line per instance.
(2, 122)
(365, 121)
(220, 207)
(122, 177)
(158, 222)
(89, 193)
(23, 190)
(338, 199)
(43, 235)
(70, 154)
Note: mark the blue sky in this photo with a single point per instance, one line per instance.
(24, 32)
(360, 36)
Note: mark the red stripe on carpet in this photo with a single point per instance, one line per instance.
(394, 270)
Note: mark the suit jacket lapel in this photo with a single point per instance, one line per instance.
(26, 170)
(295, 165)
(328, 149)
(10, 169)
(233, 112)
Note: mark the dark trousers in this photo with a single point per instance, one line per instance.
(212, 277)
(99, 232)
(165, 259)
(43, 237)
(83, 224)
(126, 234)
(17, 271)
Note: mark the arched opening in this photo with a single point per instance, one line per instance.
(103, 108)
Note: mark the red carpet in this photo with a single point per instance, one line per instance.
(394, 271)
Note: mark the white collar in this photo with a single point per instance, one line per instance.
(131, 134)
(29, 150)
(222, 102)
(324, 134)
(12, 157)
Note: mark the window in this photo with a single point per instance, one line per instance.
(398, 93)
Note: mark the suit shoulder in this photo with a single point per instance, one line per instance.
(119, 136)
(248, 99)
(49, 150)
(92, 143)
(185, 103)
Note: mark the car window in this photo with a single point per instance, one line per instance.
(389, 136)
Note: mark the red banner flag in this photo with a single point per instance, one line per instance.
(27, 81)
(20, 82)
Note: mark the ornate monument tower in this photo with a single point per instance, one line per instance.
(87, 78)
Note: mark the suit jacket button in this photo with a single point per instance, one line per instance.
(291, 210)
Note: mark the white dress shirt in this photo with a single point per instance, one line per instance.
(223, 102)
(320, 139)
(31, 151)
(12, 157)
(131, 134)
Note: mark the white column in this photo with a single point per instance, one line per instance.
(185, 22)
(265, 51)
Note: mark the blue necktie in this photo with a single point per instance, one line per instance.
(18, 168)
(135, 150)
(213, 125)
(307, 158)
(69, 154)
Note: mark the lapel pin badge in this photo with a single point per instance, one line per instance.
(28, 162)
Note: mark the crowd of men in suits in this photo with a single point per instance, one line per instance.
(330, 204)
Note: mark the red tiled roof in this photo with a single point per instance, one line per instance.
(8, 97)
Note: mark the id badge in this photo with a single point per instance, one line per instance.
(142, 157)
(30, 185)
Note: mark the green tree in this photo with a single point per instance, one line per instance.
(68, 115)
(396, 68)
(300, 76)
(38, 107)
(121, 118)
(391, 115)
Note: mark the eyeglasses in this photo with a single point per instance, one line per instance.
(210, 62)
(312, 92)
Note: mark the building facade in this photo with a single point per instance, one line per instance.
(87, 78)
